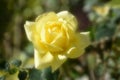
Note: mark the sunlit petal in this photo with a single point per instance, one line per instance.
(69, 19)
(30, 29)
(42, 60)
(79, 46)
(58, 61)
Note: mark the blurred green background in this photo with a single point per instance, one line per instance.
(101, 61)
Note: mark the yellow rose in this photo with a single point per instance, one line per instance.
(55, 39)
(102, 10)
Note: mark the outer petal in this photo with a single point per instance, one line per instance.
(78, 47)
(30, 29)
(69, 19)
(58, 61)
(48, 60)
(50, 16)
(42, 60)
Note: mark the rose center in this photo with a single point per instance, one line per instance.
(52, 30)
(55, 34)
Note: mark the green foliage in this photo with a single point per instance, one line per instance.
(2, 78)
(114, 3)
(12, 67)
(22, 75)
(48, 75)
(34, 74)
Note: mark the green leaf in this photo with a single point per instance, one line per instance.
(13, 66)
(48, 75)
(104, 31)
(22, 75)
(99, 70)
(16, 62)
(2, 78)
(35, 74)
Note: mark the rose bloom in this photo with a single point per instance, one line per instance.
(102, 10)
(55, 39)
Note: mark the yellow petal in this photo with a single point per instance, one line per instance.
(51, 48)
(58, 61)
(42, 60)
(60, 41)
(74, 52)
(48, 60)
(84, 39)
(42, 35)
(79, 46)
(50, 16)
(43, 19)
(30, 29)
(69, 19)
